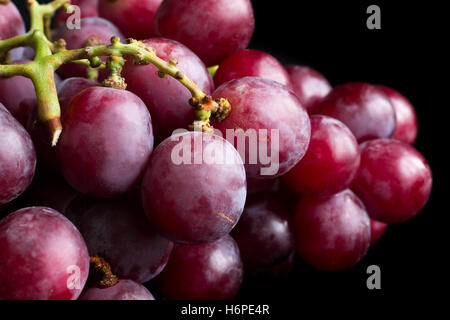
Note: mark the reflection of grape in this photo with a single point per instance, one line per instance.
(42, 256)
(123, 290)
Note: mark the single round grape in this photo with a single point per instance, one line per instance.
(106, 142)
(362, 107)
(17, 157)
(251, 63)
(333, 233)
(275, 128)
(11, 25)
(122, 290)
(167, 99)
(309, 86)
(407, 126)
(213, 29)
(96, 27)
(133, 17)
(18, 96)
(377, 229)
(394, 180)
(42, 256)
(264, 233)
(118, 231)
(331, 162)
(69, 89)
(194, 188)
(88, 9)
(210, 271)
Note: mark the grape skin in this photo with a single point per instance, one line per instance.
(88, 9)
(213, 29)
(194, 203)
(210, 271)
(331, 162)
(11, 25)
(167, 99)
(251, 63)
(143, 12)
(17, 157)
(263, 104)
(377, 229)
(394, 180)
(41, 251)
(122, 290)
(332, 233)
(106, 142)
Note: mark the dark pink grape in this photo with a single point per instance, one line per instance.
(251, 63)
(123, 290)
(394, 180)
(331, 161)
(194, 188)
(264, 233)
(70, 88)
(88, 9)
(11, 25)
(407, 125)
(213, 29)
(18, 96)
(210, 271)
(133, 17)
(275, 127)
(99, 28)
(377, 229)
(333, 233)
(118, 231)
(106, 142)
(364, 108)
(17, 157)
(309, 86)
(167, 99)
(42, 256)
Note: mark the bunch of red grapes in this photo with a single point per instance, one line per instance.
(111, 189)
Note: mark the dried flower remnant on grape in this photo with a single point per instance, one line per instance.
(100, 274)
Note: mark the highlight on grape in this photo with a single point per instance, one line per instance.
(263, 148)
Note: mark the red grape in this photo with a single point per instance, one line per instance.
(271, 118)
(167, 99)
(331, 161)
(88, 9)
(377, 229)
(203, 272)
(194, 188)
(133, 17)
(76, 38)
(264, 233)
(42, 256)
(123, 290)
(70, 88)
(17, 157)
(309, 86)
(394, 180)
(118, 231)
(18, 96)
(11, 25)
(407, 126)
(333, 233)
(251, 63)
(213, 29)
(364, 108)
(106, 142)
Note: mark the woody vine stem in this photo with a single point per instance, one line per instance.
(49, 56)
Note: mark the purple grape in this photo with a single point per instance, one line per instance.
(106, 142)
(210, 271)
(279, 121)
(11, 25)
(88, 9)
(167, 99)
(123, 290)
(17, 157)
(42, 256)
(197, 195)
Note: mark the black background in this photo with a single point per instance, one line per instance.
(406, 54)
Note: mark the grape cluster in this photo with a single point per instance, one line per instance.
(298, 170)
